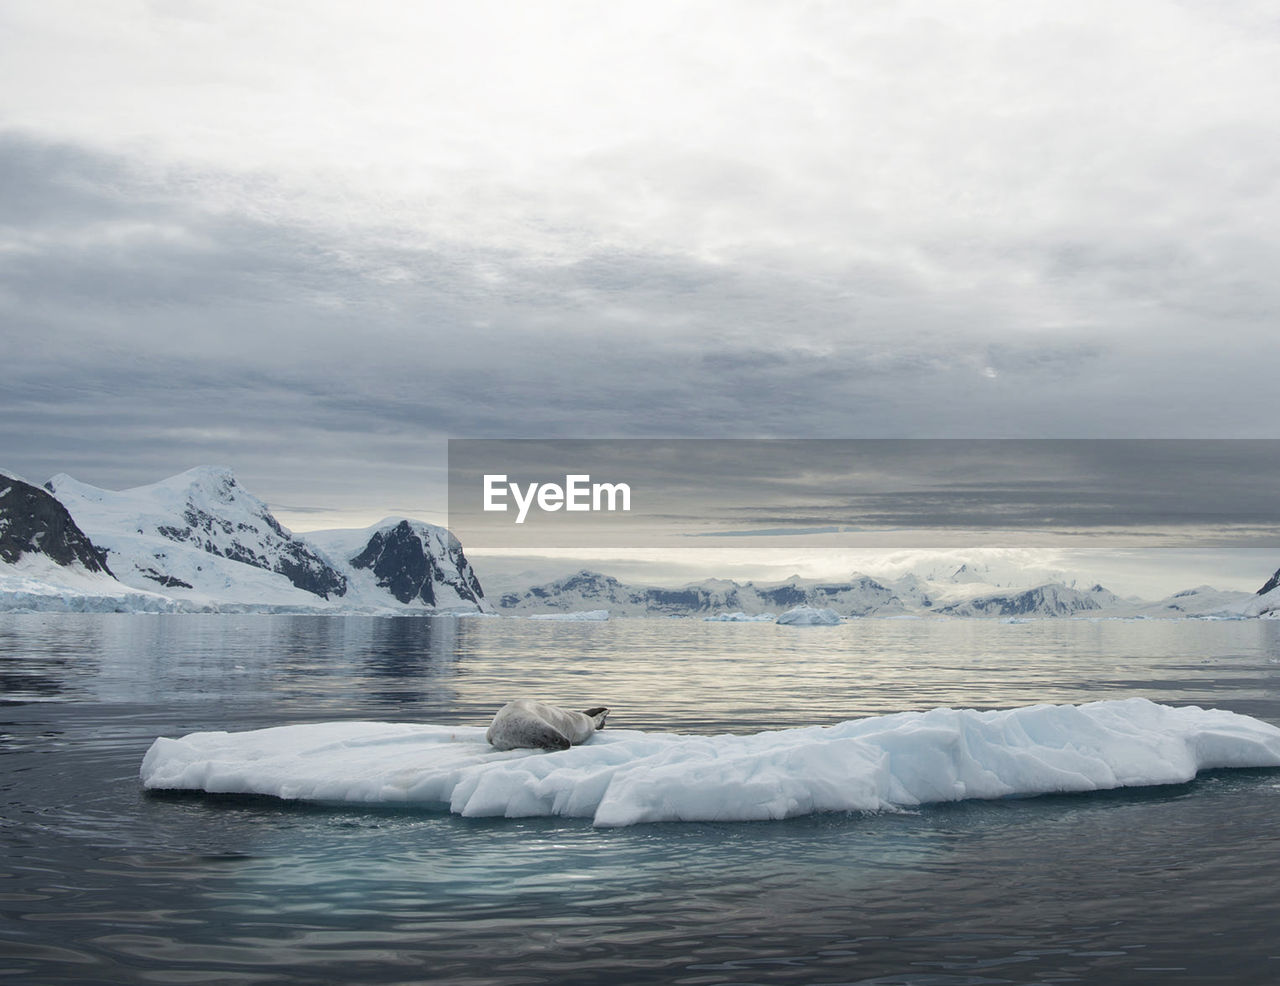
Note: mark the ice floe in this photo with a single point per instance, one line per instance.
(739, 618)
(625, 777)
(585, 616)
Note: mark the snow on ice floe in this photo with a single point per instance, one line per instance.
(810, 616)
(625, 777)
(739, 618)
(584, 616)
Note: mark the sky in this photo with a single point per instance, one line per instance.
(313, 242)
(1142, 516)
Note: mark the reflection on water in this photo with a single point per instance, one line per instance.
(100, 883)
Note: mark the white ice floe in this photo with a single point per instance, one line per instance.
(625, 777)
(810, 616)
(739, 618)
(585, 616)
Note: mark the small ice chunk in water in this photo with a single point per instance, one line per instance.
(810, 616)
(739, 617)
(582, 616)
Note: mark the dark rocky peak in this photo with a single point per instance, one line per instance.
(34, 522)
(587, 582)
(403, 559)
(787, 595)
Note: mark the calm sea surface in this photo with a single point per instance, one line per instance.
(102, 883)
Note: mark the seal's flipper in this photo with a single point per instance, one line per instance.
(597, 715)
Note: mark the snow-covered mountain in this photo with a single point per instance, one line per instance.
(586, 590)
(861, 595)
(33, 522)
(961, 591)
(1266, 601)
(1054, 599)
(48, 563)
(417, 564)
(1203, 600)
(201, 541)
(200, 536)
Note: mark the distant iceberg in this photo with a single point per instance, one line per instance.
(739, 618)
(626, 777)
(586, 616)
(810, 616)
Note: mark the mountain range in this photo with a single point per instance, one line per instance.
(967, 591)
(199, 541)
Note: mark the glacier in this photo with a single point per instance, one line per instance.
(626, 777)
(38, 584)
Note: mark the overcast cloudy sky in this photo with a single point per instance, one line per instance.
(313, 240)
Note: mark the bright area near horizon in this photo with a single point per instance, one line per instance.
(1150, 575)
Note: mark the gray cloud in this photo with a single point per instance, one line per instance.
(1110, 491)
(149, 327)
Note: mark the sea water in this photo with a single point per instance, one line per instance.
(101, 882)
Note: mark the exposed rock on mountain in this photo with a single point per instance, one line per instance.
(203, 540)
(34, 522)
(416, 563)
(165, 532)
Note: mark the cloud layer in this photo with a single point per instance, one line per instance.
(312, 242)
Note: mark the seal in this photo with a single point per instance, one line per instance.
(529, 725)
